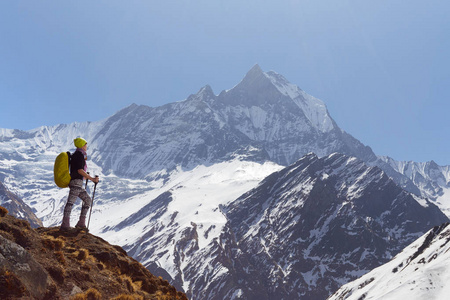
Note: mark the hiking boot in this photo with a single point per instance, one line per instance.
(81, 223)
(80, 226)
(64, 229)
(65, 226)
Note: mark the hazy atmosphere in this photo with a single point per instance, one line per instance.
(382, 68)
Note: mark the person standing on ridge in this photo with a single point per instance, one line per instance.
(78, 173)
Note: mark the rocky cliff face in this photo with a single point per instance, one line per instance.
(44, 263)
(323, 221)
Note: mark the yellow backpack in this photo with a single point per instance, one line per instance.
(61, 169)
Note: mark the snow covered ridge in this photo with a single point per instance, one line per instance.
(420, 271)
(432, 180)
(176, 229)
(320, 222)
(314, 109)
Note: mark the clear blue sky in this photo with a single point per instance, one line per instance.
(382, 67)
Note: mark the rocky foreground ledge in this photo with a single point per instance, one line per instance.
(45, 263)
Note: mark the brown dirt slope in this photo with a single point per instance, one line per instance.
(45, 263)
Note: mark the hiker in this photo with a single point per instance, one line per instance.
(78, 173)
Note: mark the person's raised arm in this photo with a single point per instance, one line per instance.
(87, 176)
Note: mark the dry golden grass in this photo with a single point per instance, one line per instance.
(90, 294)
(82, 254)
(137, 285)
(60, 257)
(101, 266)
(123, 297)
(58, 273)
(132, 286)
(78, 297)
(93, 294)
(128, 282)
(53, 243)
(86, 267)
(9, 282)
(3, 211)
(162, 296)
(129, 297)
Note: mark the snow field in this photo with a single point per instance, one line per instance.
(424, 277)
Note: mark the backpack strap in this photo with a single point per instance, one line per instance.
(70, 157)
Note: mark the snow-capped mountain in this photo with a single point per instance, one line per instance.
(432, 180)
(167, 173)
(320, 222)
(264, 112)
(420, 271)
(283, 239)
(264, 117)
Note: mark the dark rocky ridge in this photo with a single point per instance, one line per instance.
(324, 221)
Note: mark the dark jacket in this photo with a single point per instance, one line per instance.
(76, 162)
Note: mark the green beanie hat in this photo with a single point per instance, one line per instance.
(79, 142)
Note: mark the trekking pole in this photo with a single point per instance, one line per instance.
(92, 204)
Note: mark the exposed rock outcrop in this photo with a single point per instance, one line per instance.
(45, 263)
